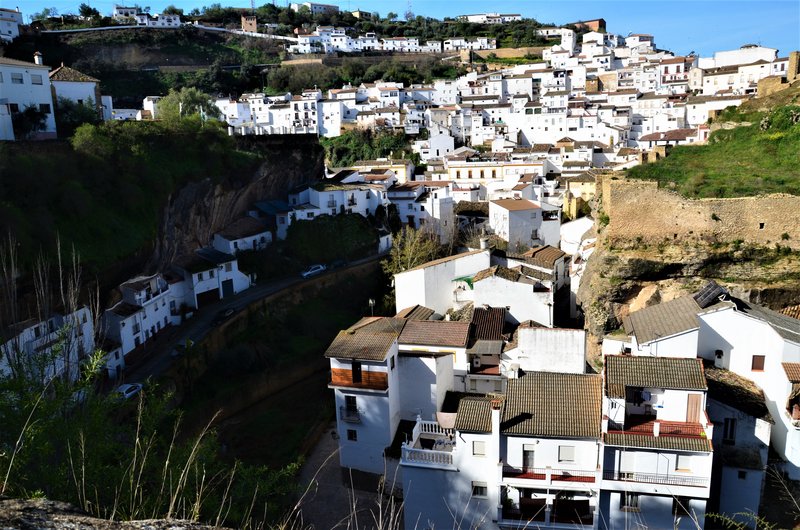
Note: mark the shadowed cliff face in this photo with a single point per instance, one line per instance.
(198, 210)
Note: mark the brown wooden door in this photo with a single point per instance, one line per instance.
(693, 408)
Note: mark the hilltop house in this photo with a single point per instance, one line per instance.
(25, 85)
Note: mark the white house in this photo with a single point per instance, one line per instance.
(158, 20)
(10, 21)
(246, 233)
(524, 223)
(76, 86)
(315, 8)
(122, 12)
(48, 348)
(26, 85)
(438, 145)
(425, 204)
(209, 275)
(145, 309)
(657, 454)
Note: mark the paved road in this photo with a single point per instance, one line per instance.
(156, 358)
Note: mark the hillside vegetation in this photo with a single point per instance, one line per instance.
(104, 191)
(747, 160)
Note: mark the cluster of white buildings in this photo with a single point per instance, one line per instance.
(621, 92)
(491, 18)
(328, 39)
(10, 21)
(479, 407)
(151, 303)
(144, 19)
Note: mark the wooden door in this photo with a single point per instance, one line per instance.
(693, 408)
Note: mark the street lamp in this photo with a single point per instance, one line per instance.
(372, 306)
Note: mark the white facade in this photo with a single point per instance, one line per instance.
(23, 85)
(158, 21)
(10, 21)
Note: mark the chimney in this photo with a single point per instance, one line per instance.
(38, 58)
(656, 429)
(484, 243)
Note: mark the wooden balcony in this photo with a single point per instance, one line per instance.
(370, 380)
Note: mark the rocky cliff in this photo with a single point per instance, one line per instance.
(650, 250)
(198, 210)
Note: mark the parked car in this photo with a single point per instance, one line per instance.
(313, 270)
(129, 390)
(338, 264)
(222, 316)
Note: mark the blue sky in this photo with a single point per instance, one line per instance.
(704, 26)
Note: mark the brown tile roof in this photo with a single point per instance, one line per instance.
(499, 271)
(244, 227)
(488, 323)
(474, 414)
(65, 73)
(645, 441)
(14, 62)
(554, 405)
(676, 135)
(544, 256)
(516, 204)
(792, 372)
(435, 333)
(623, 371)
(663, 320)
(364, 344)
(739, 392)
(416, 312)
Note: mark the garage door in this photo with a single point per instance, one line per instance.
(208, 297)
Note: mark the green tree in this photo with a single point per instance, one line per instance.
(28, 122)
(44, 14)
(71, 114)
(172, 10)
(184, 103)
(391, 15)
(87, 11)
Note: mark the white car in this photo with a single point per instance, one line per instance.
(313, 270)
(127, 391)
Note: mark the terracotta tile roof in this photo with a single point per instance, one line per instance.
(645, 441)
(676, 135)
(474, 414)
(488, 323)
(499, 271)
(791, 311)
(65, 73)
(792, 371)
(553, 404)
(516, 204)
(739, 392)
(435, 333)
(623, 371)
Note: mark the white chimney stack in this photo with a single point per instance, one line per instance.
(38, 58)
(656, 429)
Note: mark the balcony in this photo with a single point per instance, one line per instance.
(653, 478)
(350, 414)
(549, 475)
(431, 446)
(331, 203)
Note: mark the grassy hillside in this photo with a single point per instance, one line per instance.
(748, 160)
(103, 192)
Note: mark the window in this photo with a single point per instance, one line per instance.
(758, 363)
(479, 448)
(211, 273)
(13, 107)
(742, 475)
(228, 267)
(36, 79)
(566, 453)
(629, 502)
(352, 435)
(16, 79)
(356, 372)
(45, 107)
(391, 363)
(479, 489)
(683, 463)
(729, 431)
(199, 276)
